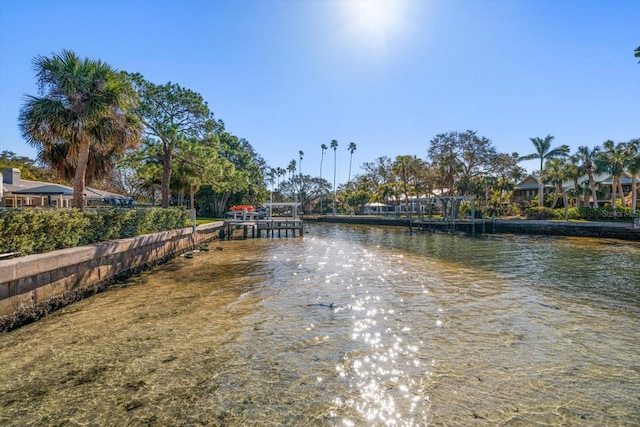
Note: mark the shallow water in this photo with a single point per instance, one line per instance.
(348, 326)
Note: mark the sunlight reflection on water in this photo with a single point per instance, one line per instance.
(347, 326)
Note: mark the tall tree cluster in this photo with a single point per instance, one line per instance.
(460, 157)
(544, 152)
(174, 120)
(91, 123)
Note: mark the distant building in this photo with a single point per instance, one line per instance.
(605, 184)
(527, 189)
(21, 193)
(377, 208)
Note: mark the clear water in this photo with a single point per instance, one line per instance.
(347, 326)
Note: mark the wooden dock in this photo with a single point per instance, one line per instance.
(248, 224)
(272, 226)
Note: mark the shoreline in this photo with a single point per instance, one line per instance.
(34, 285)
(595, 229)
(41, 283)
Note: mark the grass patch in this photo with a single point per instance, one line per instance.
(207, 220)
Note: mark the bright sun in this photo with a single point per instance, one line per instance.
(374, 23)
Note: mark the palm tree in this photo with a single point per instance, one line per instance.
(301, 153)
(382, 193)
(502, 166)
(556, 173)
(574, 172)
(402, 168)
(324, 148)
(271, 177)
(586, 157)
(84, 104)
(291, 168)
(280, 172)
(516, 175)
(449, 167)
(612, 160)
(59, 157)
(633, 166)
(543, 152)
(334, 145)
(351, 148)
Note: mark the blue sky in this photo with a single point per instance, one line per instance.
(388, 75)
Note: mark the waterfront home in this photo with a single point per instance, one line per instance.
(527, 189)
(16, 192)
(377, 208)
(605, 185)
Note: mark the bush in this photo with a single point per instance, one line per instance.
(574, 213)
(605, 213)
(514, 209)
(584, 213)
(589, 213)
(29, 231)
(540, 212)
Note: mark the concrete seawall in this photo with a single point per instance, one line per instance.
(608, 230)
(34, 285)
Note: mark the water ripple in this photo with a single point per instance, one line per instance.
(348, 326)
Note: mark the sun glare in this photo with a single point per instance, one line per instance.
(374, 24)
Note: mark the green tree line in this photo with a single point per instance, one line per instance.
(93, 124)
(161, 143)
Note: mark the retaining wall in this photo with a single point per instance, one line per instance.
(33, 285)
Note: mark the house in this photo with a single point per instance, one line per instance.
(21, 193)
(605, 185)
(376, 208)
(527, 189)
(416, 204)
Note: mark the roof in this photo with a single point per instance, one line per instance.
(530, 183)
(26, 187)
(94, 193)
(624, 180)
(23, 185)
(528, 179)
(45, 190)
(281, 204)
(527, 186)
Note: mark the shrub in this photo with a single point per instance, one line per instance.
(465, 209)
(540, 212)
(573, 213)
(589, 213)
(585, 213)
(514, 210)
(30, 231)
(605, 213)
